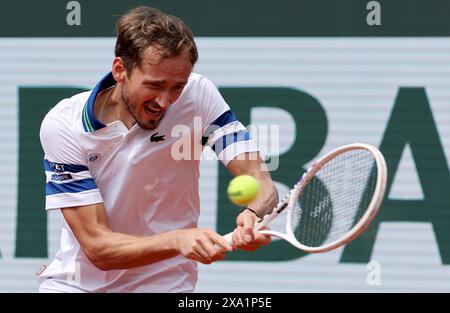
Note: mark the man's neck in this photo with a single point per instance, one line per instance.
(110, 107)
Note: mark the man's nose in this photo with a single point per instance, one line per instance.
(163, 100)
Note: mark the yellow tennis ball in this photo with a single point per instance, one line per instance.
(243, 189)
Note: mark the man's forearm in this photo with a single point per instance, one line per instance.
(252, 164)
(267, 198)
(121, 251)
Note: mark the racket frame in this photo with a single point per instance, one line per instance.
(289, 201)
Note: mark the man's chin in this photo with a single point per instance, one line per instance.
(149, 125)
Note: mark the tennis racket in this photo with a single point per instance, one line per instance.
(334, 201)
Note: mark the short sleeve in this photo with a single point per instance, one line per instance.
(223, 132)
(68, 179)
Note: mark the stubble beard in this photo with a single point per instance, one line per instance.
(148, 125)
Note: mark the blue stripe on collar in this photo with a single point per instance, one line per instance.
(90, 122)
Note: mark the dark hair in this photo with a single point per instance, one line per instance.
(144, 27)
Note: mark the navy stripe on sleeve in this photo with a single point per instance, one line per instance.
(224, 119)
(52, 188)
(229, 139)
(61, 167)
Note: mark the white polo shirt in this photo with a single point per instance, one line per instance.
(147, 180)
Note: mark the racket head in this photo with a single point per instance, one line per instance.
(317, 220)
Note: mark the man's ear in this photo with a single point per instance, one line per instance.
(119, 71)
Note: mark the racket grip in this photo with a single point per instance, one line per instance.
(229, 237)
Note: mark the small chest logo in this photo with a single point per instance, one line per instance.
(156, 137)
(93, 157)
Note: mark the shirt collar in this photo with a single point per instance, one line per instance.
(90, 122)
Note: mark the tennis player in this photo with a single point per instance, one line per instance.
(130, 207)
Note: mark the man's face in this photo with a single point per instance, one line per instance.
(154, 85)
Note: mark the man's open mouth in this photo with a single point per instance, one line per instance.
(151, 111)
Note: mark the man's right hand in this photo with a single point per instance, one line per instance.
(202, 245)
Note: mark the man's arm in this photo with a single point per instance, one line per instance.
(83, 209)
(244, 237)
(109, 250)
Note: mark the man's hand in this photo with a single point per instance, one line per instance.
(202, 245)
(244, 237)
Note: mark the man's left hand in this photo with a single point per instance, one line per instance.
(244, 237)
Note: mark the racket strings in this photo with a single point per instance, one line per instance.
(335, 199)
